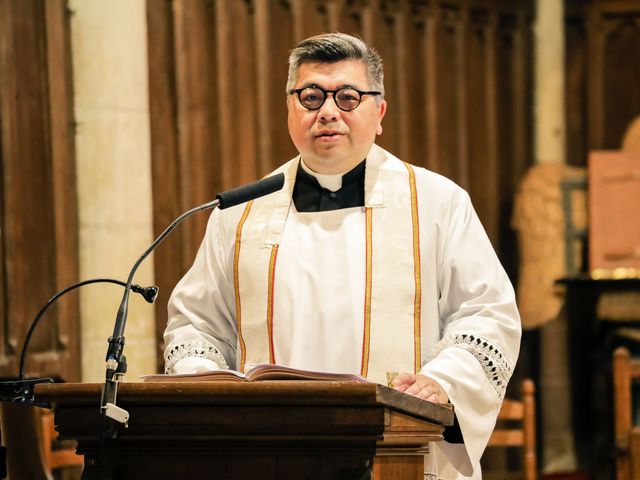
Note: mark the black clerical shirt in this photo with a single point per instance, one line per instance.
(310, 196)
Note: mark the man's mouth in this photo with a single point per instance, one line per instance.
(329, 134)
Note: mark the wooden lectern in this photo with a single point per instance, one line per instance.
(244, 430)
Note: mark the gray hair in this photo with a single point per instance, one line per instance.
(333, 47)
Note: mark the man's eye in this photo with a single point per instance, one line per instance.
(348, 96)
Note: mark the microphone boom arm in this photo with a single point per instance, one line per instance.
(116, 365)
(116, 341)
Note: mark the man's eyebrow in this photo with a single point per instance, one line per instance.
(315, 85)
(310, 85)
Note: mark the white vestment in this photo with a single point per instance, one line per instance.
(270, 284)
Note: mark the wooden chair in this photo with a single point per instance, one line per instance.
(33, 452)
(627, 436)
(57, 454)
(516, 427)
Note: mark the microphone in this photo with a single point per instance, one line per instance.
(254, 190)
(116, 365)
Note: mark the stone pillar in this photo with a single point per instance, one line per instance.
(109, 45)
(555, 396)
(549, 124)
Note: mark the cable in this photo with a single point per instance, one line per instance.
(144, 291)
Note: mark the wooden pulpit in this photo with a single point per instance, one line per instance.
(244, 430)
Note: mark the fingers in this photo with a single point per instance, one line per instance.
(420, 386)
(421, 389)
(403, 381)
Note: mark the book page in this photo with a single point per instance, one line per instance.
(280, 372)
(256, 373)
(210, 376)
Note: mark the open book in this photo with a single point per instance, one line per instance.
(258, 372)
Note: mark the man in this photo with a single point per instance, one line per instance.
(361, 264)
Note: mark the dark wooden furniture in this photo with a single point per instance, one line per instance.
(591, 343)
(21, 436)
(57, 454)
(626, 370)
(516, 427)
(33, 450)
(240, 430)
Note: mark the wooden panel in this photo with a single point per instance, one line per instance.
(447, 74)
(226, 94)
(199, 166)
(480, 119)
(171, 255)
(462, 59)
(385, 30)
(26, 172)
(20, 431)
(264, 86)
(39, 222)
(236, 93)
(613, 31)
(621, 54)
(308, 18)
(513, 107)
(576, 84)
(272, 51)
(522, 88)
(63, 178)
(431, 53)
(414, 95)
(406, 467)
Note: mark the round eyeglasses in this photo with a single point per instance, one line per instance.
(347, 99)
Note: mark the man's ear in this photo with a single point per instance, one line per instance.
(382, 109)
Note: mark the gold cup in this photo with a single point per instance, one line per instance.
(390, 378)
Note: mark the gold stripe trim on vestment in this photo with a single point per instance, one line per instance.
(366, 337)
(417, 299)
(236, 284)
(272, 273)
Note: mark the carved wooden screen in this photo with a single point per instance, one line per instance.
(457, 76)
(603, 74)
(38, 218)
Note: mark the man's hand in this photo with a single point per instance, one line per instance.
(420, 386)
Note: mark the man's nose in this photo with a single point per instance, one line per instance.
(329, 109)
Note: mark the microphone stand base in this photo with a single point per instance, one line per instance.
(21, 391)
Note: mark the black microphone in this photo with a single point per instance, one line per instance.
(254, 190)
(116, 365)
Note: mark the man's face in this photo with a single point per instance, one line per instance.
(331, 140)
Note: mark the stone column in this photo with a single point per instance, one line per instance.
(109, 45)
(549, 69)
(554, 388)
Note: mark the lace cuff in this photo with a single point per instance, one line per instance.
(496, 367)
(192, 348)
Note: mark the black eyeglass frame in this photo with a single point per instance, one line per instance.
(334, 92)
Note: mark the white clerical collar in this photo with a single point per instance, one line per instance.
(332, 182)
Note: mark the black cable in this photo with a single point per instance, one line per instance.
(25, 346)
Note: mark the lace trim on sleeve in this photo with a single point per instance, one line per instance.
(496, 367)
(192, 348)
